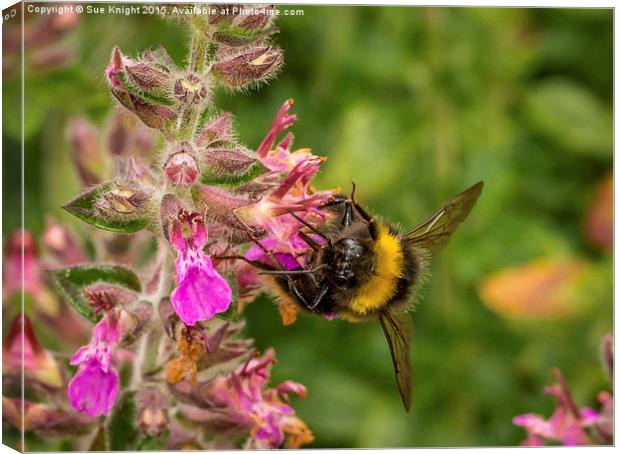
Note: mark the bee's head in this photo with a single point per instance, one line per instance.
(347, 259)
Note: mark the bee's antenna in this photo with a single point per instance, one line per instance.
(353, 187)
(372, 225)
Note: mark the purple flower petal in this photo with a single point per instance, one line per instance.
(201, 294)
(255, 253)
(93, 391)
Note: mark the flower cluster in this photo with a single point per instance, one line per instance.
(569, 424)
(163, 302)
(242, 401)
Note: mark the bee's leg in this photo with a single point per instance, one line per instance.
(372, 225)
(319, 297)
(298, 294)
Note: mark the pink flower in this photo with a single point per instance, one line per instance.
(243, 395)
(282, 122)
(94, 388)
(567, 425)
(201, 291)
(294, 194)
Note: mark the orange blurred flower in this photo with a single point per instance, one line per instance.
(543, 289)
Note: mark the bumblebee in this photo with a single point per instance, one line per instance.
(365, 268)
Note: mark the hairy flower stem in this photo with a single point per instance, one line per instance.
(148, 352)
(150, 360)
(189, 120)
(198, 51)
(138, 371)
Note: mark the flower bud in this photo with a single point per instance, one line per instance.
(190, 89)
(150, 80)
(117, 63)
(229, 166)
(135, 320)
(181, 167)
(216, 132)
(152, 411)
(168, 211)
(142, 89)
(220, 205)
(249, 66)
(152, 115)
(255, 18)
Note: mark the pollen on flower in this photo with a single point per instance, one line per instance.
(191, 349)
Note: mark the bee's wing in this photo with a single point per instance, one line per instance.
(398, 330)
(434, 233)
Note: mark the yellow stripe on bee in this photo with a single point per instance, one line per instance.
(389, 267)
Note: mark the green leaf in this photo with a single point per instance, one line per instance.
(110, 206)
(571, 116)
(122, 428)
(72, 281)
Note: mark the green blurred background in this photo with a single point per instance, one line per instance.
(416, 104)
